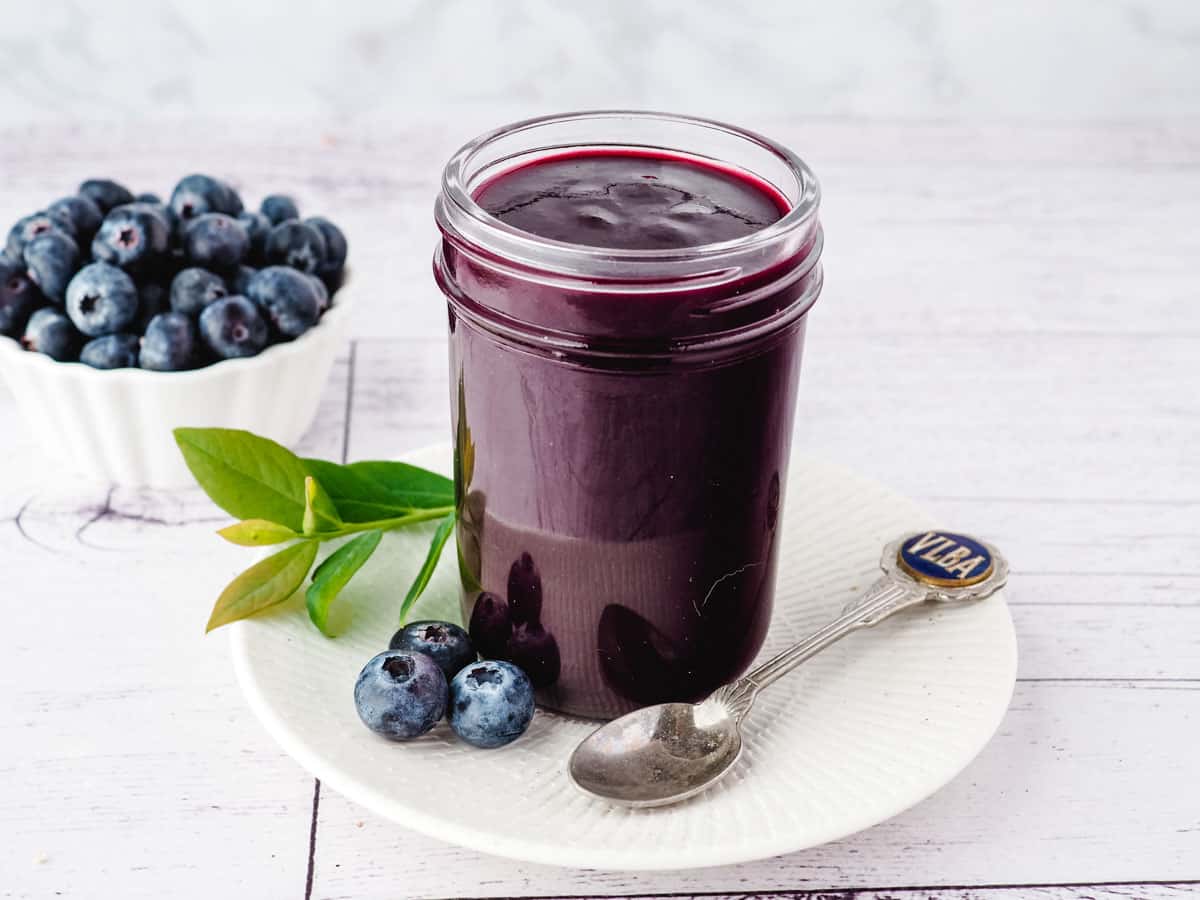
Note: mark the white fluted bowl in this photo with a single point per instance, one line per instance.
(115, 425)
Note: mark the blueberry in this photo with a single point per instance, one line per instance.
(19, 297)
(534, 649)
(216, 241)
(400, 695)
(491, 703)
(232, 327)
(443, 642)
(279, 208)
(335, 243)
(196, 195)
(134, 236)
(491, 625)
(241, 279)
(106, 194)
(62, 219)
(50, 259)
(258, 227)
(322, 293)
(153, 297)
(194, 288)
(334, 280)
(297, 245)
(149, 197)
(288, 298)
(113, 351)
(83, 213)
(163, 211)
(169, 344)
(525, 590)
(102, 299)
(52, 333)
(29, 227)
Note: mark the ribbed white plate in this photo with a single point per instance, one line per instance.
(860, 733)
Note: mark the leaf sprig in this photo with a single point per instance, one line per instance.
(281, 498)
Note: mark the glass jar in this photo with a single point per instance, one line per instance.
(622, 420)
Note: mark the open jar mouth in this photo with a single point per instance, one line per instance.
(558, 297)
(714, 143)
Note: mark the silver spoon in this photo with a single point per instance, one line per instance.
(666, 753)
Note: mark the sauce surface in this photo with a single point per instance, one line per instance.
(624, 200)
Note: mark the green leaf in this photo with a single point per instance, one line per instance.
(319, 512)
(334, 573)
(257, 533)
(370, 491)
(264, 584)
(445, 526)
(248, 476)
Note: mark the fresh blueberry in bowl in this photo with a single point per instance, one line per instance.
(258, 227)
(51, 333)
(296, 244)
(81, 211)
(133, 236)
(153, 297)
(193, 288)
(400, 694)
(27, 228)
(197, 194)
(491, 703)
(102, 299)
(279, 208)
(288, 298)
(169, 344)
(443, 642)
(112, 351)
(50, 259)
(323, 300)
(19, 297)
(335, 244)
(491, 625)
(216, 241)
(232, 327)
(240, 282)
(105, 193)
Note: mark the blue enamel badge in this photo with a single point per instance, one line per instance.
(946, 559)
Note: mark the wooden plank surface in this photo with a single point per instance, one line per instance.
(1027, 336)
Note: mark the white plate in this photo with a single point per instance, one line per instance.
(860, 733)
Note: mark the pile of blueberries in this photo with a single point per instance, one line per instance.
(431, 671)
(117, 281)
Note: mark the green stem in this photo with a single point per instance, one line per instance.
(424, 515)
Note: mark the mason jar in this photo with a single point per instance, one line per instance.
(622, 418)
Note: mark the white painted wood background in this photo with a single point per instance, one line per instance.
(1015, 307)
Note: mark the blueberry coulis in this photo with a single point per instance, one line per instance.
(631, 200)
(622, 519)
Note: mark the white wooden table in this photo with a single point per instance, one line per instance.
(1016, 307)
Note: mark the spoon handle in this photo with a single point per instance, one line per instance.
(883, 599)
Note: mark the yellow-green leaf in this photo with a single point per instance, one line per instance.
(319, 512)
(335, 573)
(257, 533)
(264, 584)
(440, 536)
(248, 476)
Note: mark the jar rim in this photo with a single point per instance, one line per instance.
(458, 213)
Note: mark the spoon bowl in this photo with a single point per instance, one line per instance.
(659, 754)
